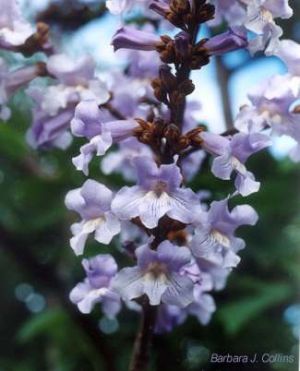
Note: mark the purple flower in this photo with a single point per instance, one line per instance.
(231, 155)
(100, 271)
(55, 104)
(48, 131)
(131, 38)
(230, 10)
(121, 161)
(88, 123)
(161, 7)
(289, 52)
(260, 20)
(157, 276)
(258, 17)
(168, 317)
(233, 39)
(158, 193)
(92, 202)
(69, 71)
(122, 6)
(142, 65)
(203, 305)
(273, 106)
(11, 81)
(14, 30)
(262, 12)
(214, 243)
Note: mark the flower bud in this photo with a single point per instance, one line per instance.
(130, 38)
(233, 39)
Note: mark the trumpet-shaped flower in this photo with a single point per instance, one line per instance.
(158, 193)
(157, 275)
(96, 288)
(92, 202)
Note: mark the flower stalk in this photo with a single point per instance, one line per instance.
(142, 345)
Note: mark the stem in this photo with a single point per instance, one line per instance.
(223, 78)
(141, 350)
(116, 113)
(182, 74)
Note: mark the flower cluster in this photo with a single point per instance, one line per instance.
(179, 248)
(142, 123)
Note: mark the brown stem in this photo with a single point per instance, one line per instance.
(141, 350)
(114, 111)
(223, 79)
(182, 74)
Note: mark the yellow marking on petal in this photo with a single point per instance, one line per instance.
(221, 238)
(92, 224)
(237, 165)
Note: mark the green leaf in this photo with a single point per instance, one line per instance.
(41, 323)
(12, 144)
(235, 316)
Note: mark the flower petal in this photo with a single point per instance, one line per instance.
(183, 205)
(222, 167)
(173, 256)
(107, 229)
(154, 287)
(127, 202)
(128, 283)
(246, 184)
(153, 207)
(179, 292)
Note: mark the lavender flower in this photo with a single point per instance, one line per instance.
(88, 123)
(168, 317)
(203, 304)
(231, 155)
(96, 288)
(11, 81)
(55, 104)
(233, 39)
(14, 30)
(258, 17)
(157, 276)
(214, 243)
(158, 193)
(92, 202)
(121, 6)
(121, 161)
(289, 52)
(50, 131)
(69, 71)
(273, 106)
(131, 38)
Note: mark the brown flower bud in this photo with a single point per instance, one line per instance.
(172, 133)
(180, 7)
(166, 49)
(41, 69)
(159, 91)
(204, 12)
(167, 79)
(36, 41)
(194, 137)
(296, 109)
(186, 87)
